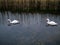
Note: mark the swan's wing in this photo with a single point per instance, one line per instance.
(15, 21)
(52, 22)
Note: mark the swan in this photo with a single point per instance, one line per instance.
(13, 22)
(51, 22)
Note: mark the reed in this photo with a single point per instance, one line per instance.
(30, 5)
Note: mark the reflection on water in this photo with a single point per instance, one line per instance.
(32, 29)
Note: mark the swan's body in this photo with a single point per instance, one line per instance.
(51, 22)
(13, 22)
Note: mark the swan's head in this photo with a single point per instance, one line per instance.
(47, 19)
(9, 20)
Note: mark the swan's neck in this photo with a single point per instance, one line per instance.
(10, 21)
(48, 20)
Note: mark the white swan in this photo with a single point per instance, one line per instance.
(13, 22)
(51, 22)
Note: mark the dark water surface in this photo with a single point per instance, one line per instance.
(32, 29)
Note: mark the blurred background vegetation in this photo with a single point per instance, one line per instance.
(30, 5)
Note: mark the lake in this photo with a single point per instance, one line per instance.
(32, 29)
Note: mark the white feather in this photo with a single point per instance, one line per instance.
(51, 22)
(14, 21)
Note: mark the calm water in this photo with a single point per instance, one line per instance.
(32, 29)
